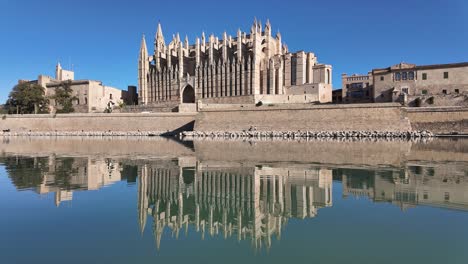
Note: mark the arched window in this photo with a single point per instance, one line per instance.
(411, 75)
(328, 76)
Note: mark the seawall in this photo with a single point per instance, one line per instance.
(236, 118)
(439, 120)
(115, 122)
(363, 117)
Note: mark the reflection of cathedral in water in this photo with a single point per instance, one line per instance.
(249, 203)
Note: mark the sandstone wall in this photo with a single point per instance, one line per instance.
(164, 122)
(441, 120)
(378, 117)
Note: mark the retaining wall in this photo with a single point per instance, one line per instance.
(164, 122)
(375, 117)
(439, 120)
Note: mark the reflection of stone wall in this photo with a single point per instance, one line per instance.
(247, 202)
(350, 153)
(437, 185)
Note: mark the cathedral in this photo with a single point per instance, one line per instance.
(253, 67)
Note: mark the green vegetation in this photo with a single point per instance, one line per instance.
(63, 97)
(27, 98)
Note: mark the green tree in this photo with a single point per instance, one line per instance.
(63, 97)
(27, 98)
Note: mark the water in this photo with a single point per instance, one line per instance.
(78, 200)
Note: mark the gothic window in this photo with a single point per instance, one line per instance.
(411, 75)
(397, 76)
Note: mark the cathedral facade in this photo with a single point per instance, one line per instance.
(249, 68)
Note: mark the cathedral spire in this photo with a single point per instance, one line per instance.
(159, 43)
(143, 48)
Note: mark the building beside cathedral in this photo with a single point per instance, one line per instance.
(90, 96)
(249, 68)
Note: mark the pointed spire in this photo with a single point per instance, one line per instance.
(143, 48)
(159, 33)
(159, 42)
(268, 24)
(186, 42)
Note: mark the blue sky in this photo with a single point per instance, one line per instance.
(101, 38)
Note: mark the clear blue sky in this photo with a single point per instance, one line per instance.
(101, 38)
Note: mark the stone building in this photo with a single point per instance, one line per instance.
(249, 68)
(91, 96)
(441, 84)
(357, 88)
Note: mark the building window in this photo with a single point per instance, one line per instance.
(110, 96)
(397, 76)
(404, 76)
(424, 92)
(347, 86)
(446, 76)
(382, 78)
(411, 75)
(444, 91)
(404, 90)
(426, 196)
(457, 91)
(424, 76)
(86, 101)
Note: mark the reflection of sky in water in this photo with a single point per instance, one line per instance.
(125, 208)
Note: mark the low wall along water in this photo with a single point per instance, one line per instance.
(364, 117)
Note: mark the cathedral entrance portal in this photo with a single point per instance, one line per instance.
(188, 96)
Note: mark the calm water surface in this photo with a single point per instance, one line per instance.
(78, 200)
